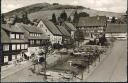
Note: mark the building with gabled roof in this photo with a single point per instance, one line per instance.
(70, 28)
(92, 26)
(35, 37)
(13, 43)
(66, 35)
(118, 31)
(50, 30)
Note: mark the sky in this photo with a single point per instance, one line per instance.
(119, 6)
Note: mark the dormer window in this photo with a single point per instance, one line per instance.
(12, 35)
(41, 25)
(17, 36)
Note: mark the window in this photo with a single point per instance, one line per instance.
(22, 46)
(41, 25)
(37, 41)
(5, 58)
(30, 34)
(13, 46)
(31, 42)
(18, 46)
(35, 34)
(12, 35)
(17, 36)
(26, 46)
(21, 36)
(5, 47)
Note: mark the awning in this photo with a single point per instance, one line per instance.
(28, 54)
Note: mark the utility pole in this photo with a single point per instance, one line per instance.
(46, 50)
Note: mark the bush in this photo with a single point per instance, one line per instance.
(57, 46)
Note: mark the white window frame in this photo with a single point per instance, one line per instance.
(13, 46)
(17, 36)
(5, 58)
(26, 46)
(6, 47)
(12, 36)
(18, 46)
(22, 46)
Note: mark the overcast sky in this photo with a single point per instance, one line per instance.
(119, 6)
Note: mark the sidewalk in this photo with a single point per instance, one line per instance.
(14, 68)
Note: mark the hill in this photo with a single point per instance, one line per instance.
(37, 11)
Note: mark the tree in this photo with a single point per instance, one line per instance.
(79, 35)
(63, 15)
(113, 20)
(69, 19)
(83, 14)
(17, 19)
(3, 19)
(76, 18)
(103, 40)
(25, 19)
(54, 18)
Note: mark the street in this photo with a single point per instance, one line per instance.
(114, 67)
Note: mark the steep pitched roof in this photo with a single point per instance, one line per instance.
(70, 26)
(51, 27)
(11, 28)
(63, 31)
(32, 29)
(4, 37)
(29, 28)
(116, 28)
(92, 21)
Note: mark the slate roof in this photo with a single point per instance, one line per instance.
(32, 29)
(63, 31)
(51, 27)
(29, 28)
(116, 28)
(4, 37)
(11, 28)
(92, 21)
(70, 26)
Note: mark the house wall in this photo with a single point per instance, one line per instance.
(92, 31)
(53, 38)
(9, 55)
